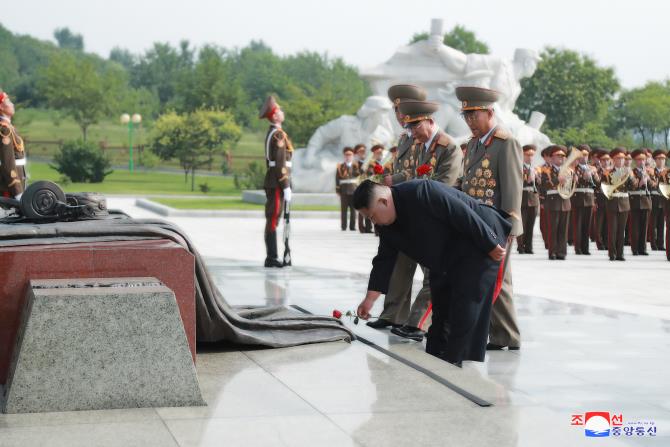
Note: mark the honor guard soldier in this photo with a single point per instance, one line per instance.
(538, 177)
(640, 203)
(530, 202)
(604, 164)
(493, 175)
(656, 219)
(346, 180)
(359, 152)
(583, 200)
(557, 208)
(618, 203)
(12, 153)
(277, 184)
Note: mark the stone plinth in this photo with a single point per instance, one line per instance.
(166, 260)
(100, 344)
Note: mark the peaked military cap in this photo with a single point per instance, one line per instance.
(476, 98)
(638, 152)
(556, 149)
(417, 110)
(659, 153)
(618, 152)
(529, 147)
(406, 91)
(269, 107)
(347, 149)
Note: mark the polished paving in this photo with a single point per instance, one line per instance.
(576, 357)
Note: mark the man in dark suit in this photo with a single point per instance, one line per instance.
(459, 239)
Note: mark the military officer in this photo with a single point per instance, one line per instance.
(277, 183)
(346, 180)
(12, 153)
(538, 176)
(556, 207)
(530, 202)
(493, 175)
(604, 164)
(618, 206)
(399, 296)
(656, 218)
(665, 179)
(640, 203)
(583, 200)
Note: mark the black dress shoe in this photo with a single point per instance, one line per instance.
(273, 263)
(379, 324)
(493, 347)
(529, 252)
(644, 253)
(612, 258)
(587, 253)
(411, 332)
(620, 258)
(552, 257)
(560, 257)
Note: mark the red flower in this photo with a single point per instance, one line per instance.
(337, 314)
(424, 169)
(379, 169)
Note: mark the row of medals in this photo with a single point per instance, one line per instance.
(481, 187)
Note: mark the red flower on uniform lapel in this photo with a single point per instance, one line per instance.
(379, 169)
(424, 169)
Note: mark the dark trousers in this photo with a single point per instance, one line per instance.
(273, 207)
(666, 212)
(601, 230)
(543, 226)
(364, 225)
(616, 226)
(557, 232)
(347, 205)
(462, 309)
(525, 241)
(581, 227)
(656, 228)
(638, 231)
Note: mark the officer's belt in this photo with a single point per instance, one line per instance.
(551, 192)
(655, 193)
(529, 188)
(620, 194)
(18, 162)
(348, 181)
(585, 190)
(637, 193)
(273, 163)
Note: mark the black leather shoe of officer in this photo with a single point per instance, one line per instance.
(587, 253)
(620, 258)
(612, 258)
(560, 257)
(644, 253)
(552, 257)
(494, 347)
(380, 324)
(529, 252)
(273, 263)
(411, 332)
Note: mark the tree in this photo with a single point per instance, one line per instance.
(193, 138)
(646, 110)
(569, 88)
(67, 39)
(74, 86)
(459, 38)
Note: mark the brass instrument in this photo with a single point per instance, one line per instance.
(617, 178)
(567, 189)
(664, 188)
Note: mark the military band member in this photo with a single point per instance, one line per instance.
(601, 233)
(583, 200)
(640, 203)
(12, 153)
(399, 295)
(360, 152)
(665, 179)
(656, 219)
(538, 175)
(618, 206)
(277, 183)
(557, 208)
(492, 175)
(346, 180)
(530, 202)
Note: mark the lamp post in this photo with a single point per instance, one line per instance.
(131, 122)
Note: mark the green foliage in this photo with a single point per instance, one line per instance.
(569, 88)
(646, 110)
(252, 178)
(68, 40)
(82, 162)
(204, 187)
(459, 38)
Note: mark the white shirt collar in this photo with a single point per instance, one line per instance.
(432, 137)
(5, 118)
(485, 137)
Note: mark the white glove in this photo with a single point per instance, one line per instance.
(18, 196)
(287, 194)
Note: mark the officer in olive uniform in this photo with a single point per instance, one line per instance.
(538, 176)
(604, 164)
(583, 200)
(530, 202)
(346, 180)
(556, 207)
(656, 219)
(399, 296)
(640, 204)
(493, 175)
(277, 184)
(12, 153)
(618, 206)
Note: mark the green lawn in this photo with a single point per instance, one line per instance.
(123, 182)
(235, 204)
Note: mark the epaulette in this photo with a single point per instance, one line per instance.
(279, 134)
(443, 139)
(502, 134)
(5, 129)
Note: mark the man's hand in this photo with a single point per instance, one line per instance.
(388, 181)
(287, 194)
(363, 310)
(497, 254)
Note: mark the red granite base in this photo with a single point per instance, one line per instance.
(162, 259)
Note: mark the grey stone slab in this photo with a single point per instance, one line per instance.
(100, 344)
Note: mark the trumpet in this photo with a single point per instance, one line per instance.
(567, 189)
(617, 178)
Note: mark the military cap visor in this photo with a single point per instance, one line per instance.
(617, 153)
(406, 91)
(269, 107)
(415, 111)
(476, 98)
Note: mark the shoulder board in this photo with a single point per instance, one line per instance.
(502, 134)
(278, 134)
(444, 140)
(5, 129)
(339, 165)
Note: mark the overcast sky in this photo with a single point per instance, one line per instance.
(631, 36)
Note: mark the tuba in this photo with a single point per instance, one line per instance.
(664, 189)
(618, 178)
(567, 189)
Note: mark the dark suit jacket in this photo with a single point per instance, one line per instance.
(437, 226)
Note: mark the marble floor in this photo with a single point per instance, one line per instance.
(577, 356)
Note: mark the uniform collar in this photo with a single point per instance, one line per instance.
(486, 137)
(428, 143)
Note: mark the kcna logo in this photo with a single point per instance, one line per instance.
(597, 423)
